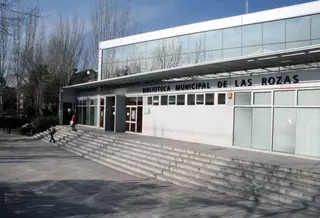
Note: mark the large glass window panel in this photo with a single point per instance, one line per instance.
(191, 99)
(284, 98)
(93, 116)
(166, 47)
(298, 29)
(213, 40)
(242, 127)
(231, 53)
(242, 98)
(297, 44)
(213, 55)
(210, 99)
(273, 47)
(251, 50)
(307, 132)
(232, 37)
(196, 42)
(180, 99)
(182, 42)
(252, 35)
(152, 48)
(140, 50)
(274, 32)
(262, 98)
(315, 42)
(315, 26)
(118, 54)
(261, 128)
(309, 97)
(84, 115)
(284, 126)
(197, 57)
(128, 52)
(79, 115)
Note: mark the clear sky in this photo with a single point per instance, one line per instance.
(159, 14)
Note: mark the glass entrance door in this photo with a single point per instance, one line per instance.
(134, 114)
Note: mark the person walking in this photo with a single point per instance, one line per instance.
(52, 132)
(73, 123)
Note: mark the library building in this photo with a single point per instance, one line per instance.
(250, 81)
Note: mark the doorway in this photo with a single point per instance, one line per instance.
(66, 115)
(109, 107)
(134, 107)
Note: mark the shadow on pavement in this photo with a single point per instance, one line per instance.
(95, 198)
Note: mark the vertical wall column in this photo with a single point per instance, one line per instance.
(109, 123)
(99, 64)
(120, 113)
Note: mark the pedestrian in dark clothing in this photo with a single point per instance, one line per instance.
(52, 132)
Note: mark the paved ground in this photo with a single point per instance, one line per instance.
(38, 180)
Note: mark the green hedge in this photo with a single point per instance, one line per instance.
(44, 123)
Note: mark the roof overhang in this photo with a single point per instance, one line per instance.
(304, 55)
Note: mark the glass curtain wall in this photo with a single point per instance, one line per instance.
(211, 46)
(292, 128)
(87, 111)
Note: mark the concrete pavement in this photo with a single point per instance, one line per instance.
(39, 180)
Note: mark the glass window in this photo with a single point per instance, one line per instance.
(273, 47)
(315, 42)
(284, 129)
(213, 55)
(315, 24)
(190, 99)
(93, 116)
(274, 32)
(210, 99)
(118, 54)
(252, 35)
(200, 99)
(242, 98)
(128, 52)
(164, 100)
(182, 42)
(140, 50)
(221, 98)
(150, 100)
(131, 101)
(197, 57)
(180, 99)
(140, 100)
(242, 127)
(251, 50)
(297, 44)
(230, 53)
(307, 132)
(298, 29)
(309, 97)
(261, 128)
(152, 48)
(172, 100)
(166, 47)
(284, 98)
(213, 40)
(155, 100)
(101, 101)
(232, 37)
(262, 98)
(196, 42)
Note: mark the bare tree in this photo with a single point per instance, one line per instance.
(66, 49)
(198, 54)
(110, 20)
(11, 14)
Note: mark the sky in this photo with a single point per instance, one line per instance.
(159, 14)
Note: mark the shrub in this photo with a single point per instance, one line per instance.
(44, 123)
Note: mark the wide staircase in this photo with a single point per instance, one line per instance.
(199, 170)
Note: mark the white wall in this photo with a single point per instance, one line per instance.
(202, 124)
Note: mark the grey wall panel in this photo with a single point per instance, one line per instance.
(120, 116)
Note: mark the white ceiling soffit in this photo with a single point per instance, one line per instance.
(304, 55)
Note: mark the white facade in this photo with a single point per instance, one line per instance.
(275, 112)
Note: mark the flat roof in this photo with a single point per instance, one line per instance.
(303, 55)
(245, 19)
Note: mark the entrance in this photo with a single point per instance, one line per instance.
(109, 113)
(134, 106)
